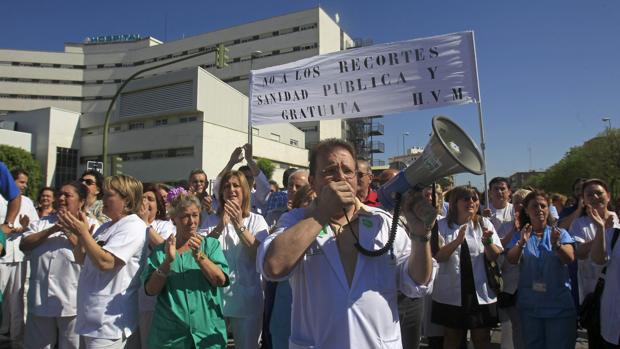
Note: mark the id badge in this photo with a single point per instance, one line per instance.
(539, 286)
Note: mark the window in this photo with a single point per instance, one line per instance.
(187, 119)
(275, 137)
(66, 165)
(294, 142)
(161, 122)
(184, 152)
(136, 125)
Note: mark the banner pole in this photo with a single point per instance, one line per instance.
(481, 124)
(250, 105)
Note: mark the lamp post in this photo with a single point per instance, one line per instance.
(404, 134)
(255, 54)
(608, 121)
(106, 123)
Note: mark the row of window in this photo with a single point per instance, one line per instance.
(204, 66)
(142, 124)
(146, 155)
(168, 56)
(55, 98)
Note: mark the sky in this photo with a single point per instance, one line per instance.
(549, 70)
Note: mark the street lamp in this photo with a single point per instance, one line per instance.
(106, 123)
(404, 150)
(608, 121)
(255, 54)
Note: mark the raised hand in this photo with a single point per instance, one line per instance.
(487, 236)
(171, 248)
(236, 156)
(207, 203)
(194, 243)
(526, 232)
(486, 212)
(234, 213)
(461, 235)
(247, 149)
(596, 218)
(555, 236)
(419, 212)
(144, 211)
(333, 198)
(24, 221)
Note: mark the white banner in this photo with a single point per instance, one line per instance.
(375, 80)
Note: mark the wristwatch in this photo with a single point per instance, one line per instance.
(241, 229)
(9, 224)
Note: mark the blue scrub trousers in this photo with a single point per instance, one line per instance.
(548, 333)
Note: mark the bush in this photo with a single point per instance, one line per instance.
(19, 158)
(266, 166)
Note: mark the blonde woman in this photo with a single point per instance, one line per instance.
(239, 232)
(111, 256)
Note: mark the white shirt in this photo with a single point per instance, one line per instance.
(326, 311)
(501, 215)
(244, 296)
(165, 229)
(447, 288)
(610, 306)
(108, 300)
(510, 272)
(54, 273)
(13, 253)
(583, 230)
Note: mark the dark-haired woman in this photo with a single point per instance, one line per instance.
(595, 196)
(45, 202)
(239, 232)
(462, 299)
(544, 301)
(52, 300)
(93, 180)
(158, 229)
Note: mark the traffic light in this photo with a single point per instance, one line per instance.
(221, 56)
(117, 165)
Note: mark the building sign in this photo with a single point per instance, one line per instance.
(105, 39)
(375, 80)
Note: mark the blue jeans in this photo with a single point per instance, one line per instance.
(548, 333)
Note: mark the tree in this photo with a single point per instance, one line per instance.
(19, 158)
(597, 158)
(266, 166)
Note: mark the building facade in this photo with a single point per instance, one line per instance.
(175, 118)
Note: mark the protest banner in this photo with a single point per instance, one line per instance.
(375, 80)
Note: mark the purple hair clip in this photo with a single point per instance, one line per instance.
(174, 192)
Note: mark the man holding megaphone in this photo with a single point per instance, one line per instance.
(344, 266)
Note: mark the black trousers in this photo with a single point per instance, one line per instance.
(410, 312)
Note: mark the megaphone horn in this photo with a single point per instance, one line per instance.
(449, 151)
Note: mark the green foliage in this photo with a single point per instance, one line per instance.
(597, 158)
(19, 158)
(266, 166)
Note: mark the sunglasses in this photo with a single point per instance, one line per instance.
(88, 181)
(472, 198)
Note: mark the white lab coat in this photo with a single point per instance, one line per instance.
(326, 312)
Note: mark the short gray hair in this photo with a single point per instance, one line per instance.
(183, 201)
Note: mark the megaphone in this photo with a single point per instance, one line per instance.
(449, 151)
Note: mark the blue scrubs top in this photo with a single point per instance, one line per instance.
(544, 285)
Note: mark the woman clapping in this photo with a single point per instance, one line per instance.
(239, 232)
(52, 301)
(186, 274)
(546, 309)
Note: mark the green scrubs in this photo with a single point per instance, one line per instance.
(188, 312)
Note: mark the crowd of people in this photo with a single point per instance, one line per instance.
(116, 263)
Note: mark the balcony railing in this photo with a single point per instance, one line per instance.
(377, 147)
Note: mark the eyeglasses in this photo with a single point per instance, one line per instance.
(472, 198)
(362, 174)
(88, 181)
(335, 171)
